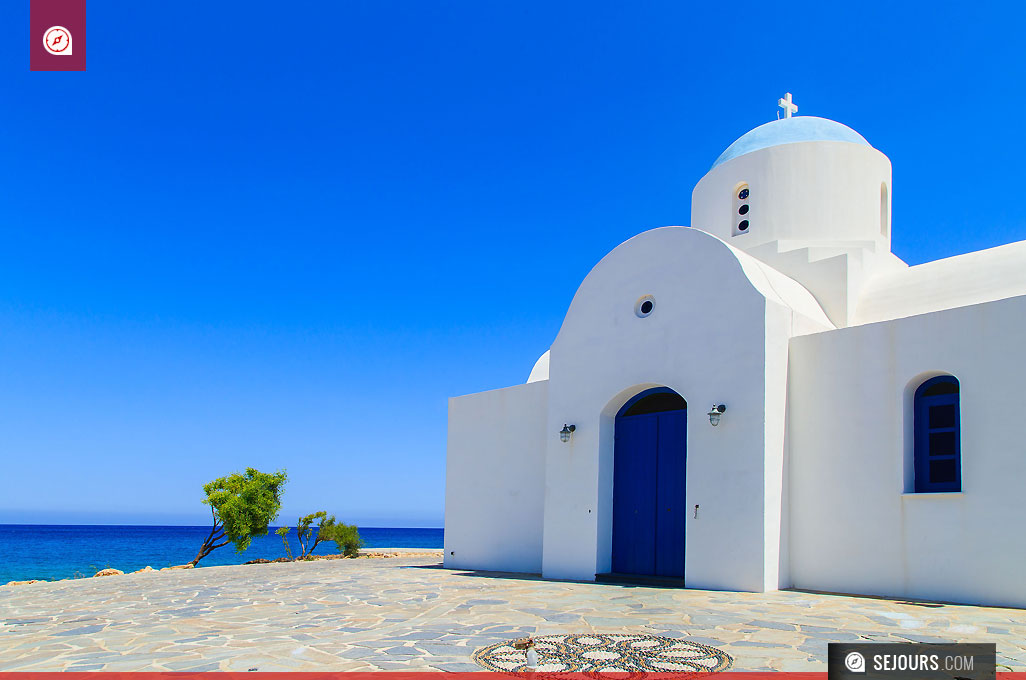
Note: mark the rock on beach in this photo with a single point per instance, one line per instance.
(108, 572)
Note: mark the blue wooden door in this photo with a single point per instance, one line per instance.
(670, 513)
(634, 501)
(649, 467)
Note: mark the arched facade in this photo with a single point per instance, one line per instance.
(725, 343)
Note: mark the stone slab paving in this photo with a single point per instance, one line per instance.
(408, 613)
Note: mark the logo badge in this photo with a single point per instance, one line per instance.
(57, 40)
(855, 662)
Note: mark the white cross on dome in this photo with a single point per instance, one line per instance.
(787, 105)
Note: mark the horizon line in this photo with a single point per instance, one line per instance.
(197, 526)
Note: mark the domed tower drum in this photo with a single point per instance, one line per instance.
(810, 197)
(802, 178)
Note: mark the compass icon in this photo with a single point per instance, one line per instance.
(57, 40)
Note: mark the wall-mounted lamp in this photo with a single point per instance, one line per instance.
(564, 434)
(714, 414)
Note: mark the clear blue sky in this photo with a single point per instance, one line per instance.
(281, 235)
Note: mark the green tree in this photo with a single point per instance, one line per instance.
(304, 529)
(284, 533)
(346, 537)
(242, 505)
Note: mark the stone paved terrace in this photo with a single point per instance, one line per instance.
(408, 613)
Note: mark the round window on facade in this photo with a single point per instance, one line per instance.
(644, 306)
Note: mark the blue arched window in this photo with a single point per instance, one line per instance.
(938, 440)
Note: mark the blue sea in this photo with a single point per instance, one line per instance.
(48, 552)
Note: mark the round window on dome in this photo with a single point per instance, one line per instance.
(644, 306)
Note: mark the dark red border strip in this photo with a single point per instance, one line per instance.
(420, 675)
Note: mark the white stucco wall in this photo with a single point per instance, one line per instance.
(969, 279)
(540, 371)
(713, 337)
(853, 529)
(494, 488)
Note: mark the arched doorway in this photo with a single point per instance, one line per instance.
(649, 467)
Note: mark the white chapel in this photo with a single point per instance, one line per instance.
(767, 399)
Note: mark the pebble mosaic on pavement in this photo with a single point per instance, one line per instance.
(602, 653)
(408, 613)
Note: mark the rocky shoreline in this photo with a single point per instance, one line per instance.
(365, 553)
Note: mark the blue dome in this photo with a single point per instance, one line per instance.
(790, 130)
